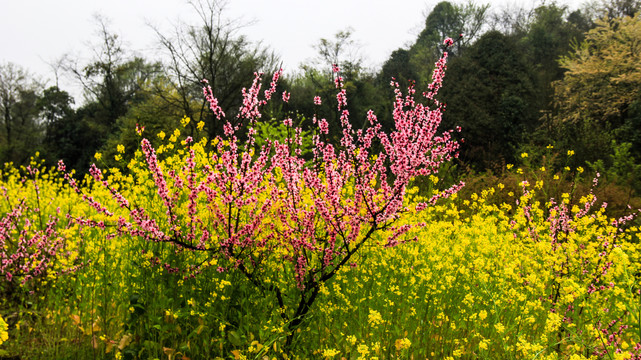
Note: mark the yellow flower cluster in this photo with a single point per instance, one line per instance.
(479, 280)
(488, 279)
(4, 331)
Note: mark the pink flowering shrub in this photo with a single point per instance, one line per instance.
(32, 239)
(287, 223)
(583, 262)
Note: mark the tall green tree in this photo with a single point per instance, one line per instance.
(446, 19)
(489, 93)
(21, 130)
(414, 65)
(69, 135)
(397, 67)
(55, 104)
(550, 35)
(63, 138)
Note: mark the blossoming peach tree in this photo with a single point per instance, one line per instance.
(286, 222)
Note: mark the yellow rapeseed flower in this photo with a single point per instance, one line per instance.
(482, 314)
(374, 318)
(351, 339)
(483, 344)
(553, 322)
(403, 343)
(363, 350)
(330, 353)
(4, 330)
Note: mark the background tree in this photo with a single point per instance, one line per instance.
(511, 20)
(599, 94)
(155, 114)
(397, 67)
(445, 20)
(113, 81)
(620, 8)
(342, 51)
(65, 136)
(550, 34)
(318, 79)
(212, 50)
(489, 92)
(21, 131)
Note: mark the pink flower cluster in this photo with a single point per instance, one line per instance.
(29, 243)
(610, 338)
(213, 102)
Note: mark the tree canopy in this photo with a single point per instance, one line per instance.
(600, 88)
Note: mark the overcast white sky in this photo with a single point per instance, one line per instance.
(35, 32)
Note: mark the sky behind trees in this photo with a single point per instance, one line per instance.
(37, 33)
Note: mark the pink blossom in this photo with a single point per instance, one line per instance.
(213, 102)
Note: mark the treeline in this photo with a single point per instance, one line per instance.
(518, 80)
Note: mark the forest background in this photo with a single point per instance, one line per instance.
(519, 80)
